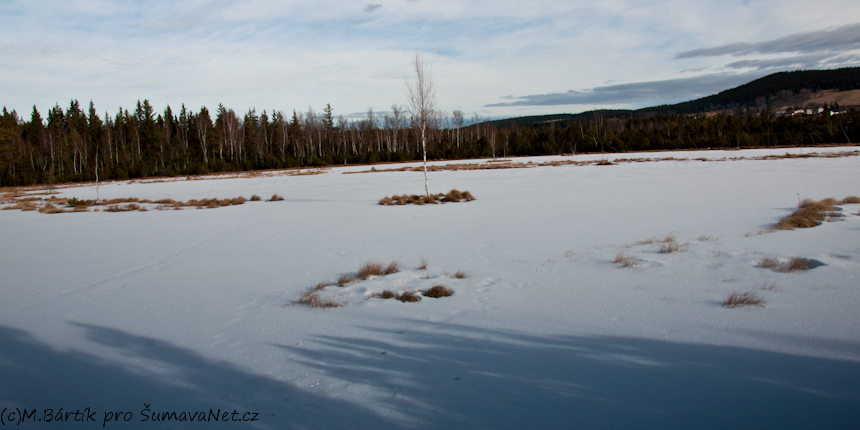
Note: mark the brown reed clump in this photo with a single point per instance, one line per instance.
(312, 299)
(385, 294)
(745, 298)
(437, 291)
(809, 213)
(795, 264)
(370, 268)
(624, 260)
(452, 196)
(408, 297)
(345, 279)
(392, 267)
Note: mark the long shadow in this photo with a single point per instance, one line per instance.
(446, 376)
(451, 376)
(34, 375)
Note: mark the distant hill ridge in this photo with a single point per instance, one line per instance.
(774, 89)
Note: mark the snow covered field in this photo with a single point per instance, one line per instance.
(191, 310)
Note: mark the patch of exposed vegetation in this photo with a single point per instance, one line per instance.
(743, 298)
(128, 204)
(811, 213)
(625, 260)
(437, 291)
(794, 264)
(453, 196)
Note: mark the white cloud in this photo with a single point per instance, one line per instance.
(290, 54)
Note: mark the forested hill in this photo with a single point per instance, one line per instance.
(770, 90)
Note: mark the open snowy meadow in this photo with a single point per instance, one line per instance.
(584, 296)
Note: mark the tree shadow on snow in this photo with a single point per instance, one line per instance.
(447, 376)
(34, 375)
(452, 376)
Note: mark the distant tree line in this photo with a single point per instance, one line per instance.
(74, 144)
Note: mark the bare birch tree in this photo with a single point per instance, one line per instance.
(422, 105)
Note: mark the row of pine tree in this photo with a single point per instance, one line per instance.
(74, 144)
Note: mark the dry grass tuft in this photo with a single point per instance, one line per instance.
(459, 274)
(74, 202)
(809, 213)
(768, 263)
(408, 297)
(624, 260)
(768, 286)
(745, 298)
(23, 206)
(255, 198)
(438, 290)
(385, 294)
(423, 265)
(452, 196)
(345, 279)
(795, 264)
(370, 268)
(392, 267)
(671, 247)
(312, 299)
(50, 209)
(850, 200)
(276, 198)
(322, 285)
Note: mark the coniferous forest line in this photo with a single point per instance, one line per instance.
(73, 144)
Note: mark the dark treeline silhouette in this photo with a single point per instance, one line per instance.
(75, 145)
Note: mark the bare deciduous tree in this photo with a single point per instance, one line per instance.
(422, 105)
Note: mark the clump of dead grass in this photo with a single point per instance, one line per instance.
(850, 200)
(437, 291)
(370, 268)
(385, 294)
(312, 299)
(392, 267)
(624, 260)
(795, 264)
(671, 245)
(767, 286)
(276, 198)
(424, 263)
(743, 298)
(452, 196)
(76, 202)
(23, 206)
(255, 198)
(459, 274)
(809, 213)
(408, 297)
(345, 279)
(50, 209)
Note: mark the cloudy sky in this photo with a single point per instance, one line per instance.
(496, 58)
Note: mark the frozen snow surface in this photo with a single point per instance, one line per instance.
(191, 310)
